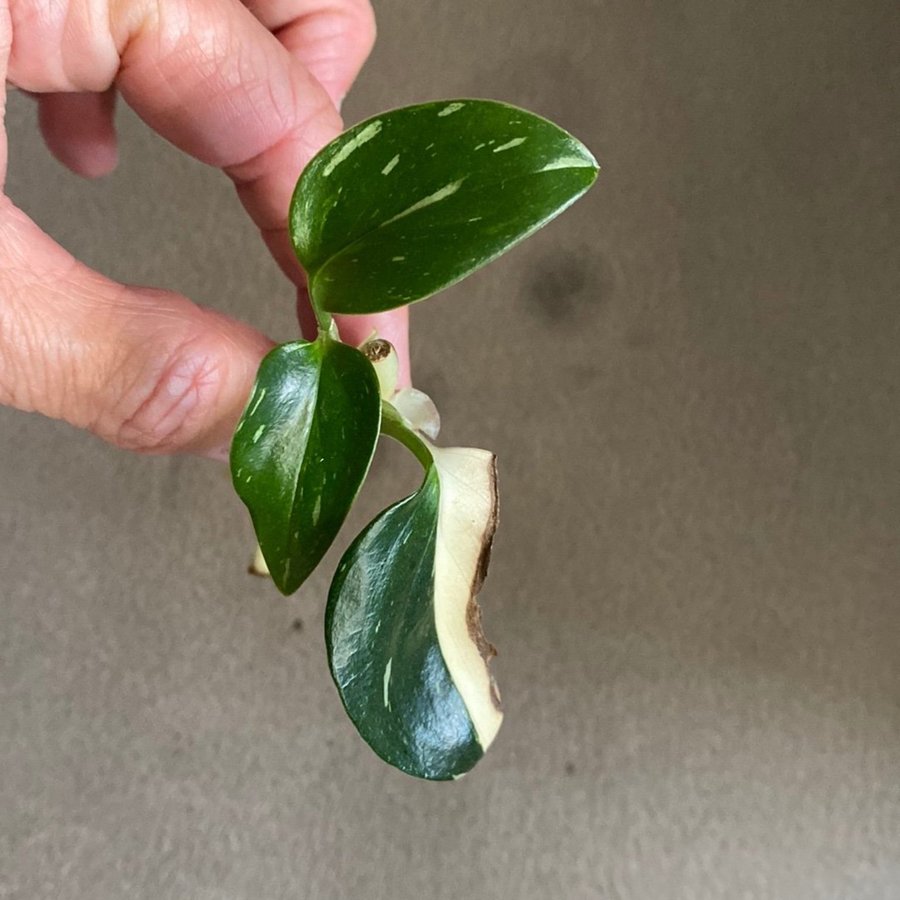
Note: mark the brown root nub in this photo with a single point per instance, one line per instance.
(377, 349)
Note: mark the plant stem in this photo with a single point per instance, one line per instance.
(324, 318)
(393, 426)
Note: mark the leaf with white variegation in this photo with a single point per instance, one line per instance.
(404, 204)
(302, 450)
(403, 627)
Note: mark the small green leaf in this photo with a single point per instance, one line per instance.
(402, 205)
(403, 628)
(302, 450)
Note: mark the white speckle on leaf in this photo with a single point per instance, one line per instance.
(515, 142)
(451, 108)
(377, 626)
(479, 146)
(372, 129)
(446, 191)
(317, 509)
(258, 434)
(257, 401)
(387, 682)
(567, 162)
(476, 218)
(397, 258)
(390, 166)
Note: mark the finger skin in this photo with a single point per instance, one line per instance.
(231, 112)
(79, 131)
(331, 38)
(149, 370)
(145, 370)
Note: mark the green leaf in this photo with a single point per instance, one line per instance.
(403, 628)
(404, 204)
(302, 450)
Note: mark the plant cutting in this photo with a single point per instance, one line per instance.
(389, 213)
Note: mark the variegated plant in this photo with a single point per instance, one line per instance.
(389, 213)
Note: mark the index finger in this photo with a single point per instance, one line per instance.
(215, 81)
(211, 79)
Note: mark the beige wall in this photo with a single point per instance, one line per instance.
(692, 381)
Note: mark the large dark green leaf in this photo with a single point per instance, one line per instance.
(403, 628)
(302, 450)
(411, 201)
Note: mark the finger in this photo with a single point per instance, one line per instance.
(79, 131)
(203, 73)
(210, 78)
(332, 38)
(145, 370)
(289, 128)
(219, 85)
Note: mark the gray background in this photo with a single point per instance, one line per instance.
(692, 381)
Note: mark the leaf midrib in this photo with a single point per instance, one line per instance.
(320, 352)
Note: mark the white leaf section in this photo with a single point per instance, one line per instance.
(467, 519)
(418, 411)
(258, 565)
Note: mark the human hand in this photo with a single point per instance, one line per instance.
(250, 88)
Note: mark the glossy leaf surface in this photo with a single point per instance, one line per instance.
(403, 629)
(302, 450)
(413, 200)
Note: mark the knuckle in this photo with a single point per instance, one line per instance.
(167, 407)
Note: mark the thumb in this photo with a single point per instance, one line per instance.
(143, 369)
